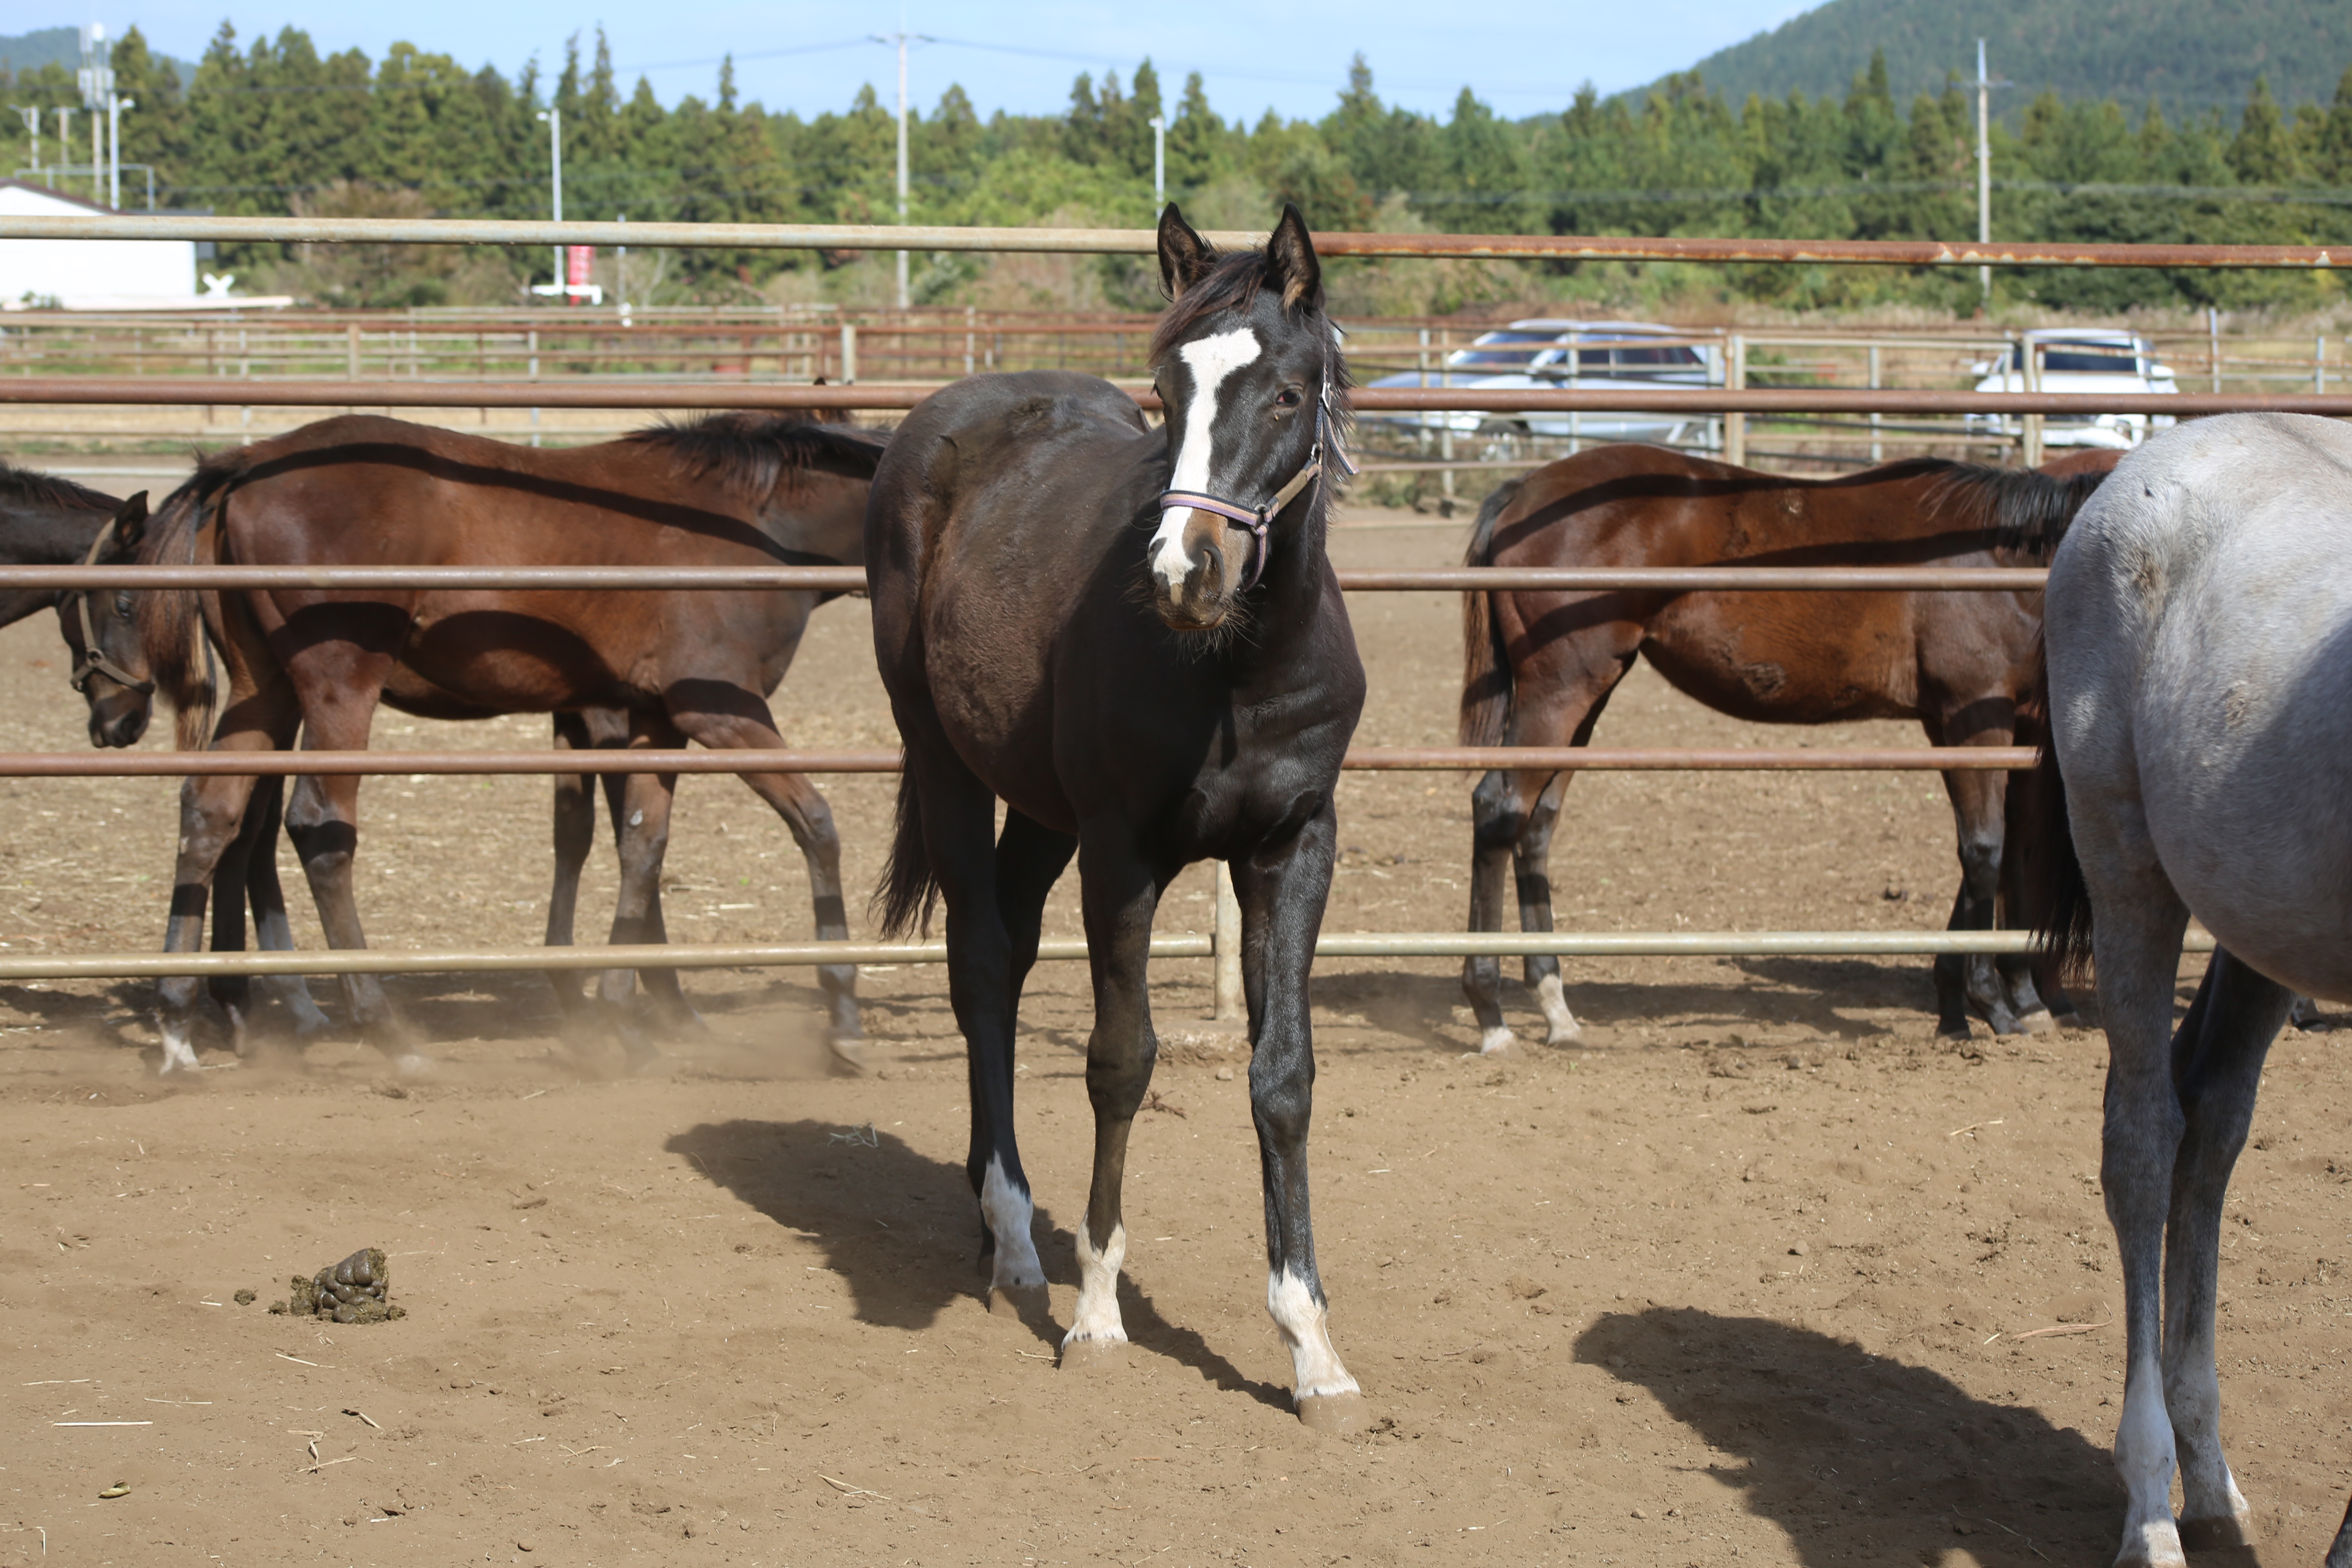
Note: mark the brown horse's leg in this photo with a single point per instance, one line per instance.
(233, 993)
(576, 835)
(1120, 891)
(322, 818)
(1970, 982)
(642, 833)
(264, 814)
(1282, 888)
(211, 815)
(1512, 817)
(740, 720)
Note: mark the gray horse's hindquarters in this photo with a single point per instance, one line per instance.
(2198, 618)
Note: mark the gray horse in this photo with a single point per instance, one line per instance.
(2200, 644)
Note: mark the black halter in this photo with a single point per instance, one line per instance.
(93, 660)
(1257, 519)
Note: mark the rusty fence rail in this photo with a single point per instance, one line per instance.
(400, 393)
(1145, 242)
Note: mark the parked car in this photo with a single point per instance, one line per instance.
(2075, 359)
(1561, 354)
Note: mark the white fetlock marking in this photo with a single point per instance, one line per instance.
(1096, 1318)
(1496, 1040)
(1007, 1210)
(179, 1055)
(1306, 1329)
(1554, 1003)
(2144, 1458)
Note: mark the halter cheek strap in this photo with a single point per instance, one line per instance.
(93, 660)
(1257, 519)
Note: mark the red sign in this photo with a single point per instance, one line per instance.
(578, 262)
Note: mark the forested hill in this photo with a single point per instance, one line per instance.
(59, 46)
(2186, 53)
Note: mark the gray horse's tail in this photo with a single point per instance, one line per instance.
(909, 890)
(2062, 898)
(1486, 688)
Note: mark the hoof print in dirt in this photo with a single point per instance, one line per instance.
(356, 1290)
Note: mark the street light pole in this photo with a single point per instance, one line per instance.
(1985, 85)
(901, 38)
(1159, 162)
(32, 119)
(114, 108)
(554, 118)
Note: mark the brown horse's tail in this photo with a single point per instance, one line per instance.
(908, 892)
(1485, 668)
(171, 620)
(2061, 896)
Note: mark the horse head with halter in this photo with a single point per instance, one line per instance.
(120, 699)
(1243, 349)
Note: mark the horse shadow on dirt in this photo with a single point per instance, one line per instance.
(1861, 1458)
(901, 1228)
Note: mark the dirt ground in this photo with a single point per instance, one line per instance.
(1761, 1272)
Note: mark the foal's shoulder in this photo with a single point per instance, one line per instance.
(1032, 403)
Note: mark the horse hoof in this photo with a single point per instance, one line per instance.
(2221, 1533)
(1958, 1031)
(847, 1060)
(1497, 1041)
(1571, 1036)
(1092, 1354)
(1334, 1414)
(2038, 1022)
(1017, 1300)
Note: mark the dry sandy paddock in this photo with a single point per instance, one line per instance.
(1762, 1273)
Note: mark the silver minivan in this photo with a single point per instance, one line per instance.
(1545, 353)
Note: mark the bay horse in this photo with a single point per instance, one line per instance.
(727, 489)
(1133, 637)
(2200, 622)
(1538, 665)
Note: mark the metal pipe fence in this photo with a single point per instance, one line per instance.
(1145, 242)
(1735, 401)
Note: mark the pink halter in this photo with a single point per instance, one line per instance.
(1256, 519)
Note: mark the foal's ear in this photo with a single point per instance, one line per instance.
(130, 521)
(1184, 257)
(1290, 260)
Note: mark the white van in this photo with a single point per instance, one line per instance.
(2078, 359)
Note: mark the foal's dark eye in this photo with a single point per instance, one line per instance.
(122, 605)
(1288, 397)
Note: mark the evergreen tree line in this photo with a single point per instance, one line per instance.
(275, 127)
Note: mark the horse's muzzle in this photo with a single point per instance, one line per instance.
(1213, 557)
(117, 721)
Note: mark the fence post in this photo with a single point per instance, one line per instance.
(2319, 363)
(1877, 453)
(1445, 421)
(971, 313)
(2030, 438)
(2213, 344)
(352, 354)
(849, 353)
(1734, 425)
(533, 344)
(1225, 942)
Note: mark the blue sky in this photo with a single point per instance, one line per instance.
(1522, 58)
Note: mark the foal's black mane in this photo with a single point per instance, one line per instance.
(2026, 509)
(26, 487)
(1233, 284)
(754, 452)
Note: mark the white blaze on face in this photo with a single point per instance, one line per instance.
(1211, 360)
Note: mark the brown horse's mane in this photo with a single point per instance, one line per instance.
(25, 485)
(2025, 509)
(755, 452)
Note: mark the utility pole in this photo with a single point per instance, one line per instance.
(32, 119)
(1985, 85)
(554, 118)
(114, 108)
(901, 38)
(65, 143)
(96, 81)
(1159, 162)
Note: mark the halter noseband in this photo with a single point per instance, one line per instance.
(93, 660)
(1257, 519)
